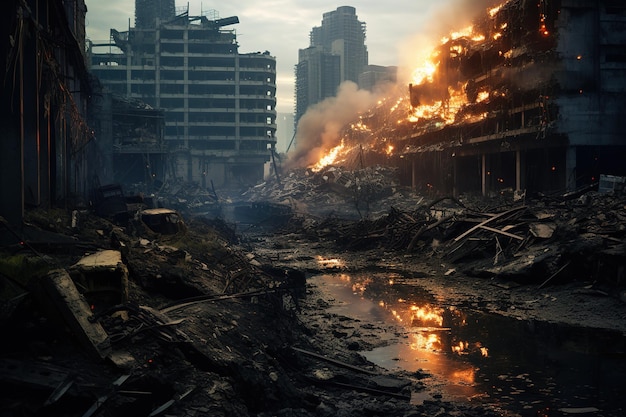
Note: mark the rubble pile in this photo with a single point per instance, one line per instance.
(131, 322)
(185, 197)
(335, 190)
(548, 238)
(571, 236)
(108, 319)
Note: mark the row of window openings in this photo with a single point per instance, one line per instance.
(180, 76)
(177, 117)
(203, 131)
(203, 103)
(204, 61)
(222, 145)
(221, 104)
(148, 95)
(197, 90)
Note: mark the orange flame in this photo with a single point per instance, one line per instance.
(330, 157)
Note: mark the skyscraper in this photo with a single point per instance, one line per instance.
(337, 53)
(220, 105)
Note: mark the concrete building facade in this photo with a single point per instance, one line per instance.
(219, 104)
(543, 93)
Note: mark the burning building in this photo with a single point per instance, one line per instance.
(529, 97)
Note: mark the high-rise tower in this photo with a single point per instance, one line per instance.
(337, 53)
(343, 34)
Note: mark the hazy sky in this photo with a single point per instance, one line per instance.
(397, 30)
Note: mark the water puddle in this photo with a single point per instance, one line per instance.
(525, 368)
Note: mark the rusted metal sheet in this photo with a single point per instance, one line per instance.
(163, 220)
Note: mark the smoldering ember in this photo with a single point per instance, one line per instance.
(451, 246)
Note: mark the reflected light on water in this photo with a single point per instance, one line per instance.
(431, 344)
(426, 316)
(426, 341)
(331, 263)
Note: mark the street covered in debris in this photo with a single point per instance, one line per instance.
(447, 244)
(263, 315)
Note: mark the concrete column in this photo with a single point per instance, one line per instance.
(30, 119)
(483, 174)
(518, 170)
(455, 187)
(570, 168)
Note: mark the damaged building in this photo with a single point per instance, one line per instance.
(219, 104)
(47, 152)
(528, 98)
(131, 139)
(542, 88)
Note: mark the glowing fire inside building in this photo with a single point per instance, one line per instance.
(526, 98)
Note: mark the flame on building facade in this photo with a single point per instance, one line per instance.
(525, 98)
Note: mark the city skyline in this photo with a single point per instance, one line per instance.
(282, 28)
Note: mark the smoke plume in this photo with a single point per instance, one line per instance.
(319, 129)
(444, 17)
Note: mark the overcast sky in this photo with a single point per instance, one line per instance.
(397, 30)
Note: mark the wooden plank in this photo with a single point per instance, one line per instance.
(502, 232)
(489, 220)
(335, 362)
(543, 284)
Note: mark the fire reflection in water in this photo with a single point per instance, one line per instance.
(435, 343)
(432, 345)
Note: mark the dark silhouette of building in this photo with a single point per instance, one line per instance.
(148, 13)
(47, 152)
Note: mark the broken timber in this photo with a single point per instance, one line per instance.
(76, 313)
(335, 362)
(489, 220)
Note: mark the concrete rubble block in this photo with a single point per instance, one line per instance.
(542, 230)
(102, 277)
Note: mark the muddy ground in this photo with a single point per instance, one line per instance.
(227, 322)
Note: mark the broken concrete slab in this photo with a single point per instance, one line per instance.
(75, 311)
(102, 277)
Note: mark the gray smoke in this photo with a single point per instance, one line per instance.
(319, 129)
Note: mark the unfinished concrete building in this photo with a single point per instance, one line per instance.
(131, 140)
(543, 101)
(220, 105)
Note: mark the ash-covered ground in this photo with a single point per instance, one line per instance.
(223, 318)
